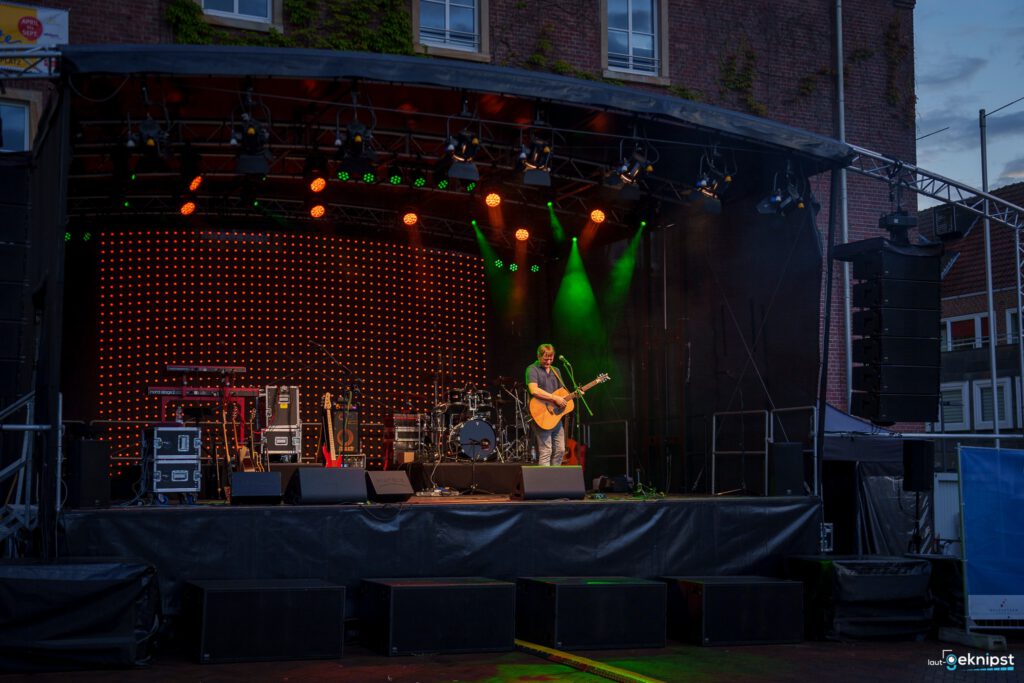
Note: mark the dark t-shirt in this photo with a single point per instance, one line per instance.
(548, 381)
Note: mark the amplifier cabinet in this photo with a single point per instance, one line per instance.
(735, 610)
(282, 407)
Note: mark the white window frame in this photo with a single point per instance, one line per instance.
(961, 426)
(1005, 407)
(480, 53)
(247, 21)
(1011, 326)
(660, 76)
(26, 141)
(978, 339)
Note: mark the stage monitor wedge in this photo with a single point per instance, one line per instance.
(550, 483)
(326, 486)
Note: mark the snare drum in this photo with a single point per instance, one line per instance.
(473, 439)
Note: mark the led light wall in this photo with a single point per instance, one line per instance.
(309, 310)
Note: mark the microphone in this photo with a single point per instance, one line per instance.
(563, 359)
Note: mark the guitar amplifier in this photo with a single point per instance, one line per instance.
(170, 460)
(356, 461)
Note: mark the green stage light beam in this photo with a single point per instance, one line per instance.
(556, 225)
(577, 321)
(499, 282)
(620, 280)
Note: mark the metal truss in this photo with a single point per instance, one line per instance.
(33, 61)
(920, 181)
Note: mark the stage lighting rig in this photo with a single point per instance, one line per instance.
(789, 193)
(635, 166)
(251, 136)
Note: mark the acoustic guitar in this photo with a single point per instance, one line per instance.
(546, 414)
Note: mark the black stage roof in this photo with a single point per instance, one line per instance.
(413, 106)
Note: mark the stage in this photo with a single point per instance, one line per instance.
(450, 537)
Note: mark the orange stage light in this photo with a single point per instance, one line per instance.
(188, 208)
(410, 218)
(317, 211)
(317, 185)
(493, 199)
(522, 234)
(597, 215)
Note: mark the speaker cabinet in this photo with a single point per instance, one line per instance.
(588, 613)
(255, 488)
(88, 476)
(427, 615)
(388, 486)
(918, 465)
(239, 621)
(735, 610)
(786, 469)
(346, 431)
(549, 483)
(326, 486)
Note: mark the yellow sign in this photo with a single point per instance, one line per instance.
(22, 26)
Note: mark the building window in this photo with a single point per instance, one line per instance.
(1012, 326)
(964, 332)
(633, 36)
(14, 118)
(253, 10)
(952, 408)
(453, 24)
(983, 404)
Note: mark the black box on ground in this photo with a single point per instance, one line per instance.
(735, 610)
(264, 620)
(590, 613)
(426, 615)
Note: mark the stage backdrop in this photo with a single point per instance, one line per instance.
(297, 309)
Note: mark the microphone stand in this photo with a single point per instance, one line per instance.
(572, 378)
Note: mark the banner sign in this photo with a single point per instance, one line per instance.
(991, 501)
(22, 26)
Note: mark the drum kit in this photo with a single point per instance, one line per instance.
(471, 424)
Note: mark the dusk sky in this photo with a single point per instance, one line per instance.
(970, 56)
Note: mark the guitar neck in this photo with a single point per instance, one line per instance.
(585, 388)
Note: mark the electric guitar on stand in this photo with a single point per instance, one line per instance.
(546, 414)
(244, 458)
(331, 458)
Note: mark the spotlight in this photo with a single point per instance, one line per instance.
(633, 167)
(187, 208)
(315, 172)
(597, 215)
(522, 234)
(534, 268)
(189, 181)
(786, 195)
(358, 159)
(461, 149)
(493, 200)
(395, 175)
(536, 161)
(410, 218)
(317, 210)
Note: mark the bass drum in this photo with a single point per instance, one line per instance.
(473, 439)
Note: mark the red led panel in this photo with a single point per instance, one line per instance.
(389, 313)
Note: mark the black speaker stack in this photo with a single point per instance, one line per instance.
(896, 324)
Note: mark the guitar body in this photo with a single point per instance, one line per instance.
(575, 453)
(546, 414)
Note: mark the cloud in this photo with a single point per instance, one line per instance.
(952, 71)
(963, 129)
(1013, 172)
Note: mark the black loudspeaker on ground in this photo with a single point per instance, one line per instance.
(786, 469)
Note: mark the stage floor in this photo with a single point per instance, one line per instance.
(458, 536)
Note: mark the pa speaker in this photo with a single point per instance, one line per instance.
(255, 488)
(549, 483)
(249, 620)
(735, 610)
(88, 476)
(918, 465)
(326, 486)
(346, 431)
(388, 487)
(786, 469)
